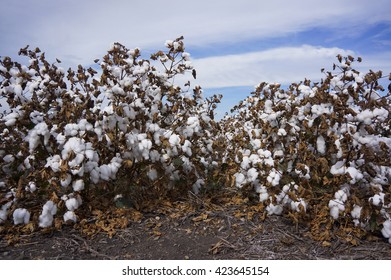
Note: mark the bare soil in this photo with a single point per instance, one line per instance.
(186, 230)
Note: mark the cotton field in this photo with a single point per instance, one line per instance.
(303, 150)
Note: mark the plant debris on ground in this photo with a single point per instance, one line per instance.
(193, 228)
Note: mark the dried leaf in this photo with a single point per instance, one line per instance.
(200, 218)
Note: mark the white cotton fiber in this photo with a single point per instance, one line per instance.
(46, 217)
(152, 174)
(355, 174)
(274, 209)
(154, 156)
(281, 132)
(341, 195)
(174, 140)
(8, 158)
(245, 163)
(252, 174)
(321, 145)
(70, 216)
(104, 172)
(54, 162)
(263, 196)
(34, 135)
(334, 212)
(240, 179)
(78, 185)
(3, 215)
(66, 181)
(72, 204)
(274, 177)
(21, 216)
(386, 230)
(32, 187)
(338, 168)
(198, 185)
(335, 207)
(295, 205)
(256, 144)
(356, 212)
(377, 199)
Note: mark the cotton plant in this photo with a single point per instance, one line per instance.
(72, 130)
(330, 137)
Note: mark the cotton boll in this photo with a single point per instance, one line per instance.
(33, 136)
(245, 163)
(165, 158)
(32, 187)
(104, 172)
(72, 204)
(355, 174)
(21, 216)
(254, 159)
(279, 154)
(281, 132)
(94, 175)
(78, 185)
(356, 212)
(377, 199)
(299, 205)
(46, 218)
(3, 215)
(152, 174)
(154, 156)
(341, 195)
(117, 90)
(11, 118)
(193, 122)
(365, 116)
(54, 162)
(49, 208)
(335, 207)
(321, 145)
(274, 209)
(174, 140)
(79, 158)
(252, 174)
(286, 188)
(198, 185)
(66, 181)
(8, 158)
(186, 148)
(338, 168)
(334, 212)
(186, 56)
(90, 154)
(274, 177)
(263, 195)
(240, 179)
(70, 216)
(168, 43)
(386, 230)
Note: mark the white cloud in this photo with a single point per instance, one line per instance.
(282, 65)
(80, 31)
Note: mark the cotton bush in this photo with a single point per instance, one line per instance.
(316, 145)
(71, 130)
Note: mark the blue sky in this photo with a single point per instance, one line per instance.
(234, 44)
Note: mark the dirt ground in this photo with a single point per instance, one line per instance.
(185, 230)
